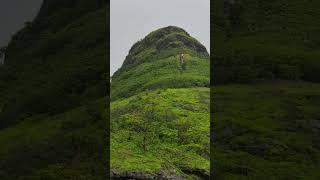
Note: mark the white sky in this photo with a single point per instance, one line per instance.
(132, 20)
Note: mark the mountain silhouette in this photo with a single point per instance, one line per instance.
(53, 93)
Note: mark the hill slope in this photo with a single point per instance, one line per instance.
(266, 40)
(265, 107)
(154, 62)
(160, 109)
(53, 85)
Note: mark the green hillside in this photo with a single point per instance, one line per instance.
(266, 91)
(53, 94)
(266, 130)
(154, 63)
(266, 40)
(160, 109)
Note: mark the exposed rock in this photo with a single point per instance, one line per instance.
(136, 175)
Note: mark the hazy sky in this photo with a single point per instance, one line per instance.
(13, 15)
(131, 20)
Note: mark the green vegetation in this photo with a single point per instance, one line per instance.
(266, 40)
(53, 93)
(160, 109)
(266, 131)
(265, 112)
(162, 130)
(163, 73)
(154, 62)
(62, 146)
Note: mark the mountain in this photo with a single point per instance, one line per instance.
(53, 93)
(265, 69)
(160, 109)
(152, 62)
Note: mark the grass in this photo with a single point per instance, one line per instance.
(160, 131)
(266, 131)
(39, 146)
(152, 75)
(266, 40)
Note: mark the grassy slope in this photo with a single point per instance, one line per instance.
(53, 98)
(163, 131)
(278, 39)
(63, 146)
(160, 110)
(292, 25)
(266, 128)
(152, 75)
(266, 131)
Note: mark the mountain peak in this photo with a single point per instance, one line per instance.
(168, 37)
(164, 39)
(168, 30)
(167, 57)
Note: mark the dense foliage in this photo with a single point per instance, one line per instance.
(52, 95)
(160, 109)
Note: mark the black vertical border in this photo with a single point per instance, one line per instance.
(211, 89)
(107, 138)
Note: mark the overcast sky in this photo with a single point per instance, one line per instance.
(13, 15)
(131, 20)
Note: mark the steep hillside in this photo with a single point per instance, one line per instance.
(52, 94)
(266, 40)
(265, 94)
(266, 130)
(154, 62)
(160, 109)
